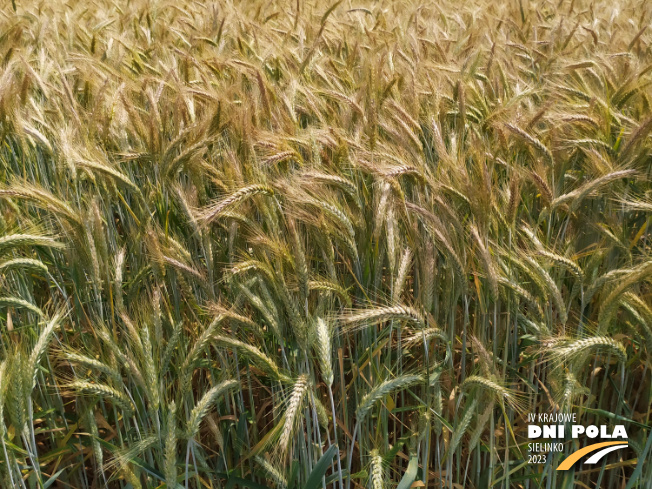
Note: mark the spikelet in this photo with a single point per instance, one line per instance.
(40, 347)
(564, 349)
(104, 391)
(293, 408)
(123, 458)
(331, 287)
(401, 275)
(294, 313)
(95, 437)
(570, 118)
(532, 140)
(266, 308)
(171, 345)
(18, 302)
(324, 349)
(346, 99)
(377, 479)
(18, 390)
(108, 170)
(610, 304)
(119, 272)
(499, 392)
(551, 287)
(156, 306)
(381, 211)
(427, 277)
(480, 426)
(485, 359)
(204, 404)
(440, 146)
(300, 263)
(213, 211)
(20, 240)
(544, 189)
(126, 360)
(514, 199)
(487, 262)
(26, 264)
(274, 473)
(462, 427)
(339, 181)
(92, 364)
(454, 258)
(170, 465)
(577, 196)
(533, 277)
(640, 134)
(531, 235)
(4, 384)
(215, 430)
(237, 318)
(135, 340)
(644, 318)
(320, 409)
(529, 298)
(425, 335)
(128, 475)
(408, 132)
(594, 143)
(254, 353)
(200, 344)
(336, 213)
(182, 267)
(380, 315)
(280, 157)
(570, 384)
(43, 199)
(249, 265)
(390, 227)
(381, 390)
(187, 208)
(151, 375)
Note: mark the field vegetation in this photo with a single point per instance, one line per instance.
(300, 245)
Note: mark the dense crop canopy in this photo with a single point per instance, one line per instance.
(299, 245)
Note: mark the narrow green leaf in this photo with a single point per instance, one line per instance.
(410, 474)
(318, 472)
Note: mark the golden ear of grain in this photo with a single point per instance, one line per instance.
(377, 479)
(213, 211)
(292, 411)
(532, 141)
(324, 348)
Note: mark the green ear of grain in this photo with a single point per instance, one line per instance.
(21, 303)
(381, 390)
(204, 405)
(26, 264)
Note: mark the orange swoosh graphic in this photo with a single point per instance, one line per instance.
(575, 456)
